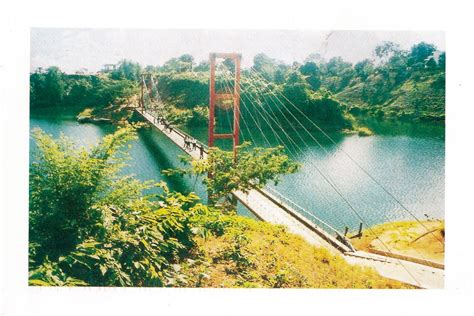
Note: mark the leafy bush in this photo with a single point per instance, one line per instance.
(251, 253)
(200, 116)
(197, 116)
(185, 90)
(178, 116)
(57, 89)
(91, 226)
(254, 168)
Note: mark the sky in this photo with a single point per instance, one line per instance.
(72, 49)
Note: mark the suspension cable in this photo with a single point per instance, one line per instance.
(351, 158)
(383, 214)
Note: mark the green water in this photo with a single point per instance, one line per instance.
(407, 159)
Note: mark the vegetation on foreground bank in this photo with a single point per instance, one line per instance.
(257, 254)
(90, 225)
(419, 240)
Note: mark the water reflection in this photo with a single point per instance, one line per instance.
(407, 159)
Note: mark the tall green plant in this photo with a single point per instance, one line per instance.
(254, 168)
(89, 225)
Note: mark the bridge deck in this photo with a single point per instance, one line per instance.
(269, 208)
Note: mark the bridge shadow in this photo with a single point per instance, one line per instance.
(163, 160)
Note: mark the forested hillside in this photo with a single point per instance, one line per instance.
(405, 84)
(53, 88)
(395, 84)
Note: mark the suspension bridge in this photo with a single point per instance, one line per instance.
(225, 95)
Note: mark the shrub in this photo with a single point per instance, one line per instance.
(254, 168)
(91, 226)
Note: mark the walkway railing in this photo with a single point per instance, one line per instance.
(178, 131)
(285, 200)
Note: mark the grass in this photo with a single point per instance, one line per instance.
(86, 113)
(114, 113)
(256, 254)
(406, 238)
(411, 100)
(364, 131)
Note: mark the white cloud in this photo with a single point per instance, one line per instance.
(71, 49)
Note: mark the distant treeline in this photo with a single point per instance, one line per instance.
(398, 83)
(53, 88)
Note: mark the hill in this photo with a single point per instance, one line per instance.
(422, 99)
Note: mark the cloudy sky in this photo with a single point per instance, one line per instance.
(71, 49)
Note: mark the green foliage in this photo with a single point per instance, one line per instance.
(66, 184)
(252, 253)
(89, 225)
(312, 73)
(236, 252)
(297, 90)
(406, 84)
(364, 131)
(419, 54)
(325, 108)
(114, 91)
(184, 63)
(127, 70)
(198, 116)
(373, 85)
(56, 89)
(265, 65)
(203, 66)
(48, 88)
(364, 69)
(255, 167)
(185, 90)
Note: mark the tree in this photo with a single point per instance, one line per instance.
(114, 91)
(127, 70)
(281, 73)
(326, 109)
(229, 64)
(202, 66)
(54, 86)
(336, 74)
(183, 63)
(255, 167)
(297, 90)
(66, 184)
(184, 90)
(431, 64)
(364, 69)
(187, 62)
(386, 50)
(442, 61)
(265, 65)
(315, 58)
(336, 66)
(37, 89)
(420, 52)
(313, 75)
(80, 92)
(90, 225)
(151, 69)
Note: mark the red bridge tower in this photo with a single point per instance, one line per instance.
(235, 96)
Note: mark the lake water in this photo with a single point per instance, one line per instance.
(407, 159)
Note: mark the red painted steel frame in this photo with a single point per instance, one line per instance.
(142, 100)
(235, 96)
